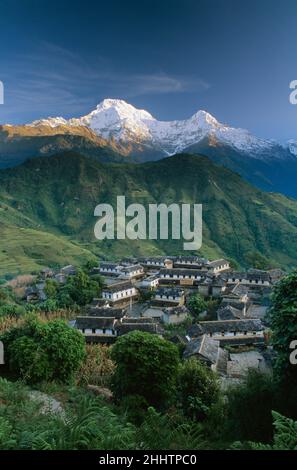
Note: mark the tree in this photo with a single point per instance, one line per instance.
(39, 351)
(79, 289)
(51, 288)
(198, 389)
(249, 408)
(147, 366)
(283, 317)
(197, 304)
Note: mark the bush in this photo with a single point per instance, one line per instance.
(39, 351)
(146, 365)
(197, 304)
(198, 389)
(249, 409)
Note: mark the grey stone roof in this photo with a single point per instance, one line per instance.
(131, 269)
(124, 328)
(105, 312)
(181, 272)
(229, 313)
(218, 262)
(138, 320)
(119, 286)
(169, 291)
(231, 325)
(94, 322)
(178, 310)
(205, 347)
(195, 330)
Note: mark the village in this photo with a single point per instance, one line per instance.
(157, 295)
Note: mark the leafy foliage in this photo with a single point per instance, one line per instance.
(44, 351)
(283, 319)
(284, 438)
(146, 365)
(249, 408)
(198, 389)
(197, 304)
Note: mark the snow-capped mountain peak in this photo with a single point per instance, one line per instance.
(120, 121)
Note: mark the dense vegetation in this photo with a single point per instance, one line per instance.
(47, 211)
(139, 393)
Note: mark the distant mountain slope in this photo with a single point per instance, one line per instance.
(117, 131)
(18, 143)
(58, 195)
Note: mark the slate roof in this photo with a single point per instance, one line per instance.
(124, 328)
(138, 320)
(181, 272)
(229, 313)
(195, 330)
(170, 292)
(119, 286)
(94, 322)
(231, 325)
(178, 310)
(218, 262)
(203, 346)
(131, 269)
(105, 312)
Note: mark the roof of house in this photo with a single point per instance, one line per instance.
(169, 291)
(84, 322)
(250, 276)
(178, 310)
(131, 269)
(217, 263)
(203, 346)
(108, 265)
(181, 271)
(231, 325)
(70, 269)
(195, 330)
(124, 328)
(119, 286)
(191, 259)
(229, 312)
(105, 312)
(138, 320)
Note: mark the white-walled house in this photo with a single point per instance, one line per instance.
(94, 328)
(180, 276)
(130, 272)
(255, 278)
(241, 331)
(150, 282)
(218, 266)
(113, 269)
(175, 315)
(119, 291)
(169, 295)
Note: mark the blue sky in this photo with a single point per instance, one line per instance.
(233, 58)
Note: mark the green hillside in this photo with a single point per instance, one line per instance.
(54, 200)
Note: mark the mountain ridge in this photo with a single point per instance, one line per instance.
(117, 132)
(57, 195)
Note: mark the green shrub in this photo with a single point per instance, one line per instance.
(146, 365)
(198, 389)
(39, 351)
